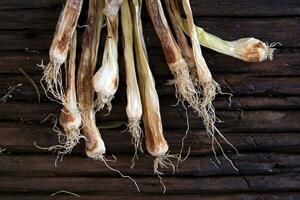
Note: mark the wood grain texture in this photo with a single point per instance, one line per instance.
(129, 196)
(20, 137)
(176, 185)
(265, 120)
(236, 84)
(286, 64)
(35, 37)
(262, 121)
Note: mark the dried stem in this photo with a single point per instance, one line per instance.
(155, 141)
(85, 92)
(70, 117)
(186, 50)
(185, 89)
(59, 49)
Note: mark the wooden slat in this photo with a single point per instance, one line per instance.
(21, 137)
(245, 7)
(30, 4)
(236, 84)
(27, 94)
(232, 121)
(249, 164)
(263, 121)
(129, 196)
(266, 29)
(203, 8)
(151, 185)
(26, 18)
(285, 63)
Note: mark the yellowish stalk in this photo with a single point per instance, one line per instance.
(246, 49)
(134, 105)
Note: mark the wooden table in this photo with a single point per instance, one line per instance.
(263, 121)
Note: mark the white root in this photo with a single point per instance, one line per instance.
(184, 86)
(164, 161)
(60, 148)
(105, 160)
(136, 133)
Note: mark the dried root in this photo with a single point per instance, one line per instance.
(105, 160)
(133, 127)
(102, 101)
(66, 143)
(163, 161)
(71, 122)
(52, 76)
(206, 111)
(185, 89)
(205, 82)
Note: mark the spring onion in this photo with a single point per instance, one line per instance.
(59, 48)
(134, 108)
(185, 89)
(106, 80)
(94, 144)
(70, 117)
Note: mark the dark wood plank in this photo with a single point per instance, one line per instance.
(285, 63)
(236, 84)
(19, 137)
(176, 185)
(23, 19)
(27, 94)
(269, 30)
(203, 8)
(232, 121)
(248, 164)
(30, 4)
(245, 8)
(129, 196)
